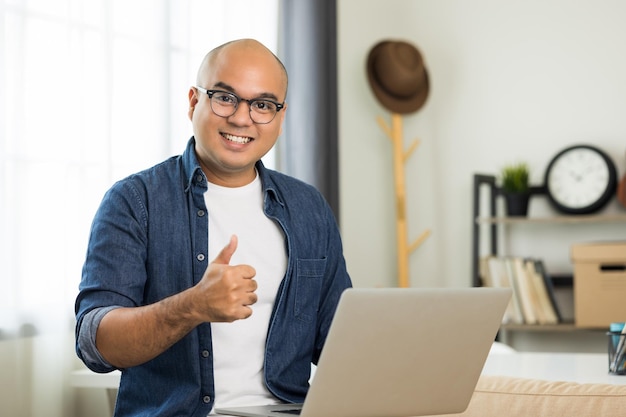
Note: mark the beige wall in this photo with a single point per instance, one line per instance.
(510, 81)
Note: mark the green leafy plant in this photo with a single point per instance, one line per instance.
(515, 178)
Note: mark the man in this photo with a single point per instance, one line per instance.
(244, 328)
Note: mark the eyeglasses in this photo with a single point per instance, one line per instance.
(224, 104)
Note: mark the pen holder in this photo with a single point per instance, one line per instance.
(617, 353)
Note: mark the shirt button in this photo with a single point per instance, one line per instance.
(200, 213)
(205, 353)
(200, 257)
(199, 178)
(206, 399)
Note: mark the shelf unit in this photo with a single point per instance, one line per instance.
(493, 221)
(489, 181)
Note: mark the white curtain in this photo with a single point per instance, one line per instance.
(90, 91)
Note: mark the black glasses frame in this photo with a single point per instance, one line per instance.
(279, 106)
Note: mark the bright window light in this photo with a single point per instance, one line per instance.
(91, 91)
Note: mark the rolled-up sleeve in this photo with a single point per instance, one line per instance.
(86, 340)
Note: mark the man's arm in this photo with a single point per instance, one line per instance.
(130, 336)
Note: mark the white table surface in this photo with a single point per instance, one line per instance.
(84, 378)
(573, 367)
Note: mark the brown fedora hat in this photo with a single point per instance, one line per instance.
(397, 76)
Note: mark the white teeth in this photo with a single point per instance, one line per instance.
(236, 139)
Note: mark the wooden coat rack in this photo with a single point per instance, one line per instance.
(400, 157)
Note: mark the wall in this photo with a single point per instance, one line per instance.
(35, 375)
(510, 81)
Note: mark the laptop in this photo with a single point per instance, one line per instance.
(399, 352)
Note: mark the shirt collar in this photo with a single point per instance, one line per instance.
(195, 175)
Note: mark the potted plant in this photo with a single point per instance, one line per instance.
(515, 188)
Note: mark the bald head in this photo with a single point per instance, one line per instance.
(229, 146)
(251, 47)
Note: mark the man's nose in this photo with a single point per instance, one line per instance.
(241, 116)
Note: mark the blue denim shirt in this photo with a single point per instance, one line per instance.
(149, 240)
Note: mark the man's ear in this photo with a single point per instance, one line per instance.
(282, 119)
(193, 100)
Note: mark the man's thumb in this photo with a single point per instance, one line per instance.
(227, 252)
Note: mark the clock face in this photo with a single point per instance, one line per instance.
(580, 180)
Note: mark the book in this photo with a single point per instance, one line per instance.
(485, 274)
(517, 274)
(498, 277)
(549, 285)
(543, 305)
(533, 300)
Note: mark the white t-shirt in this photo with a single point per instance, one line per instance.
(239, 347)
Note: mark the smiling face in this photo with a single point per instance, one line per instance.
(228, 147)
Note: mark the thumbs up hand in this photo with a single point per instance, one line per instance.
(226, 291)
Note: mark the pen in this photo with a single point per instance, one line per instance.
(619, 351)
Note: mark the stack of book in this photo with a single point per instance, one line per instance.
(533, 300)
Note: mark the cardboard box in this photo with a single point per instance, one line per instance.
(599, 283)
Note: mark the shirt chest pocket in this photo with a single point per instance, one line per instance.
(309, 275)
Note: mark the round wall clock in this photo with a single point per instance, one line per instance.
(580, 179)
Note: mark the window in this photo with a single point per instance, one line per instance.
(90, 91)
